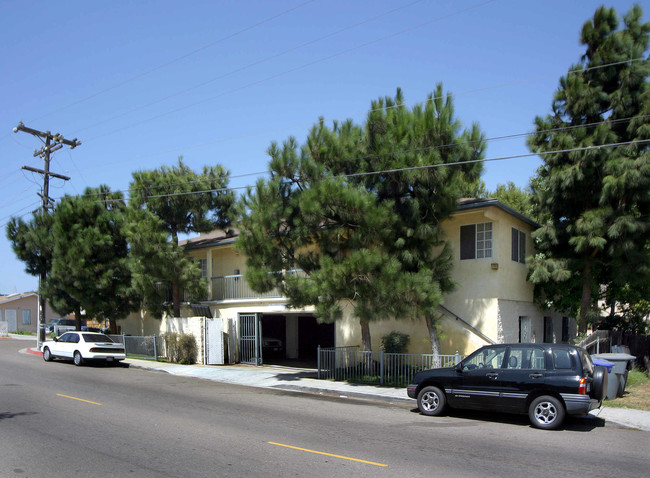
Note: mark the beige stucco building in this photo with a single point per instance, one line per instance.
(20, 311)
(493, 301)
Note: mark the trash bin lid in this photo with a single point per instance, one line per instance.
(618, 357)
(603, 363)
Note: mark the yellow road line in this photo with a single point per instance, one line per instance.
(327, 454)
(75, 398)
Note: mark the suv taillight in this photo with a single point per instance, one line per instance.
(582, 386)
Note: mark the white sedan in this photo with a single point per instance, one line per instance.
(82, 346)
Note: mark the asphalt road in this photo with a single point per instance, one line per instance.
(95, 421)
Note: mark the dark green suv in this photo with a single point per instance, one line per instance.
(546, 381)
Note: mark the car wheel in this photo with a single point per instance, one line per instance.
(599, 383)
(78, 359)
(431, 401)
(546, 412)
(47, 355)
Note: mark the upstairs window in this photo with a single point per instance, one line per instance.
(476, 241)
(518, 246)
(203, 264)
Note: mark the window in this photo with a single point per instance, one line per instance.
(526, 358)
(26, 316)
(548, 330)
(518, 246)
(562, 359)
(203, 264)
(491, 357)
(476, 241)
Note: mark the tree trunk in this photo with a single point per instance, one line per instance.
(176, 299)
(77, 318)
(365, 336)
(585, 301)
(435, 341)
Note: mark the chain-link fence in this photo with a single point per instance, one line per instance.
(150, 347)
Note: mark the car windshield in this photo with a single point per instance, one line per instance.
(96, 338)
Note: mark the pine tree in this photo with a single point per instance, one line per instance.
(595, 201)
(90, 258)
(358, 209)
(167, 202)
(31, 243)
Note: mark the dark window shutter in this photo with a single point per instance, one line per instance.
(468, 242)
(522, 247)
(515, 245)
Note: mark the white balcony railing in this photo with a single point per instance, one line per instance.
(235, 287)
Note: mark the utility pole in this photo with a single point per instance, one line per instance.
(53, 142)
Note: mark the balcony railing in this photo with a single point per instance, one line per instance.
(235, 287)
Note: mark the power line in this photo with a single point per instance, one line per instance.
(292, 70)
(413, 168)
(428, 148)
(250, 65)
(177, 59)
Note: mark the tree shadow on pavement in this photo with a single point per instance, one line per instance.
(6, 415)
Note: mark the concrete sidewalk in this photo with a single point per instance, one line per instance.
(305, 380)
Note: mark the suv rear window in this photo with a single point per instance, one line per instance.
(562, 359)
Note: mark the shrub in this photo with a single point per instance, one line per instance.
(395, 342)
(181, 348)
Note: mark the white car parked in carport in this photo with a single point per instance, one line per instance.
(82, 346)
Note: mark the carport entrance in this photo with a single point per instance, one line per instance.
(290, 340)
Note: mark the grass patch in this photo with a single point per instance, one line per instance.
(23, 332)
(636, 395)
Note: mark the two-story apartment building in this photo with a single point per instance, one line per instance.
(493, 301)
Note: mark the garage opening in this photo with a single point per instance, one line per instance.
(293, 340)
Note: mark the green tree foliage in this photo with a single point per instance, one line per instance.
(31, 243)
(167, 202)
(90, 258)
(594, 202)
(357, 209)
(518, 199)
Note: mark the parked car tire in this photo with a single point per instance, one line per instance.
(546, 412)
(78, 359)
(599, 383)
(47, 355)
(431, 401)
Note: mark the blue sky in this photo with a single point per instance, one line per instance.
(140, 83)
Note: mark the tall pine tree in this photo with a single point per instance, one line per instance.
(167, 202)
(595, 202)
(358, 209)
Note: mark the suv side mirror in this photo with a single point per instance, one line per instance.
(459, 367)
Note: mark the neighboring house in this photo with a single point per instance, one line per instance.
(20, 311)
(492, 303)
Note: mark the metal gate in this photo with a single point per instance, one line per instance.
(250, 339)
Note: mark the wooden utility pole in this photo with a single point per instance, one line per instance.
(53, 142)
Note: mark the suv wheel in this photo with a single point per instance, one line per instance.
(546, 412)
(431, 401)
